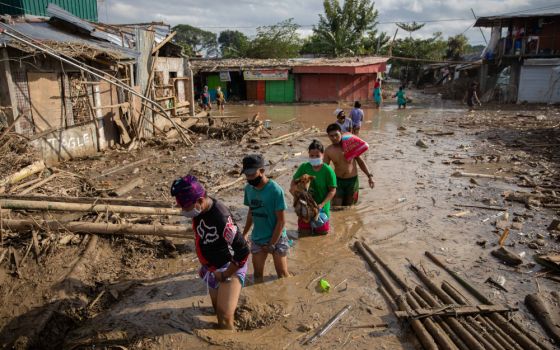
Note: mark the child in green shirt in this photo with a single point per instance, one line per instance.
(322, 188)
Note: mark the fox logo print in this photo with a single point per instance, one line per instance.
(208, 233)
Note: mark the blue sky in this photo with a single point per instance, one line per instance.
(449, 17)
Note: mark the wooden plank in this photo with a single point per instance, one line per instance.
(453, 310)
(46, 101)
(163, 42)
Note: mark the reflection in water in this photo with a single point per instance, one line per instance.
(321, 115)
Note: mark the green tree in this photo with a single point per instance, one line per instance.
(421, 51)
(195, 40)
(410, 27)
(375, 43)
(280, 40)
(456, 47)
(346, 30)
(233, 44)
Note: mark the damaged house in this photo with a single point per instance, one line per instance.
(522, 60)
(75, 87)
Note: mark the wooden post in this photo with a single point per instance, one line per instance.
(11, 89)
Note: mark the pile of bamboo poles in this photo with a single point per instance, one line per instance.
(468, 326)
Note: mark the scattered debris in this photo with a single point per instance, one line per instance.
(507, 257)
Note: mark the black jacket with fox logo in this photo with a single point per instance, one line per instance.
(218, 239)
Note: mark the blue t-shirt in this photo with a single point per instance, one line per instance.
(346, 126)
(357, 116)
(264, 204)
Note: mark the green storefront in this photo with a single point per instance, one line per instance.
(86, 9)
(280, 91)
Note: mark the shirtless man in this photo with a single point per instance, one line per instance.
(346, 172)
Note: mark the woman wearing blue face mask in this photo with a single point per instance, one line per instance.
(322, 188)
(220, 246)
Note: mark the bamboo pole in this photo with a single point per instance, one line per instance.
(39, 184)
(91, 200)
(82, 207)
(468, 338)
(99, 228)
(503, 342)
(29, 170)
(419, 329)
(516, 331)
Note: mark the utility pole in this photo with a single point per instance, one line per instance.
(481, 32)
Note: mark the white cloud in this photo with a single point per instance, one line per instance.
(246, 15)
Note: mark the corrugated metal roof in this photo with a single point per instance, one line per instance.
(215, 65)
(46, 32)
(493, 21)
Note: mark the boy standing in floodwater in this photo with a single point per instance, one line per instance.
(267, 206)
(220, 247)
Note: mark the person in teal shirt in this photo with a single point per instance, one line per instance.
(265, 199)
(401, 98)
(322, 188)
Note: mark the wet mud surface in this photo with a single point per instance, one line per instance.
(153, 299)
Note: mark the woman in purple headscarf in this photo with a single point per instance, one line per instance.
(220, 246)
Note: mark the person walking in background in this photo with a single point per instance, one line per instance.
(344, 123)
(401, 98)
(357, 117)
(220, 99)
(471, 97)
(205, 97)
(267, 207)
(377, 96)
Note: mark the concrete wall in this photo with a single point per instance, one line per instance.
(73, 142)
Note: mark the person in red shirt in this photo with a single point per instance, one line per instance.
(221, 249)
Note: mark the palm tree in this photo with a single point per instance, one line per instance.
(410, 27)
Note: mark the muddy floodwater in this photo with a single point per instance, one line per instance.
(410, 211)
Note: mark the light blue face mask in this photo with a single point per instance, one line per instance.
(194, 212)
(315, 161)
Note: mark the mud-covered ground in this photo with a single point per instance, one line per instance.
(144, 293)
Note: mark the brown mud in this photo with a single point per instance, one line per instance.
(152, 298)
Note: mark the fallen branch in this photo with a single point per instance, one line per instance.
(484, 176)
(480, 207)
(229, 184)
(329, 325)
(99, 228)
(39, 184)
(127, 187)
(89, 208)
(91, 200)
(119, 168)
(23, 173)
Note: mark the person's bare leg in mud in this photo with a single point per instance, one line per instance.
(259, 259)
(227, 298)
(281, 265)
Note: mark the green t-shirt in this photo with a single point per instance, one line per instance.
(264, 204)
(325, 179)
